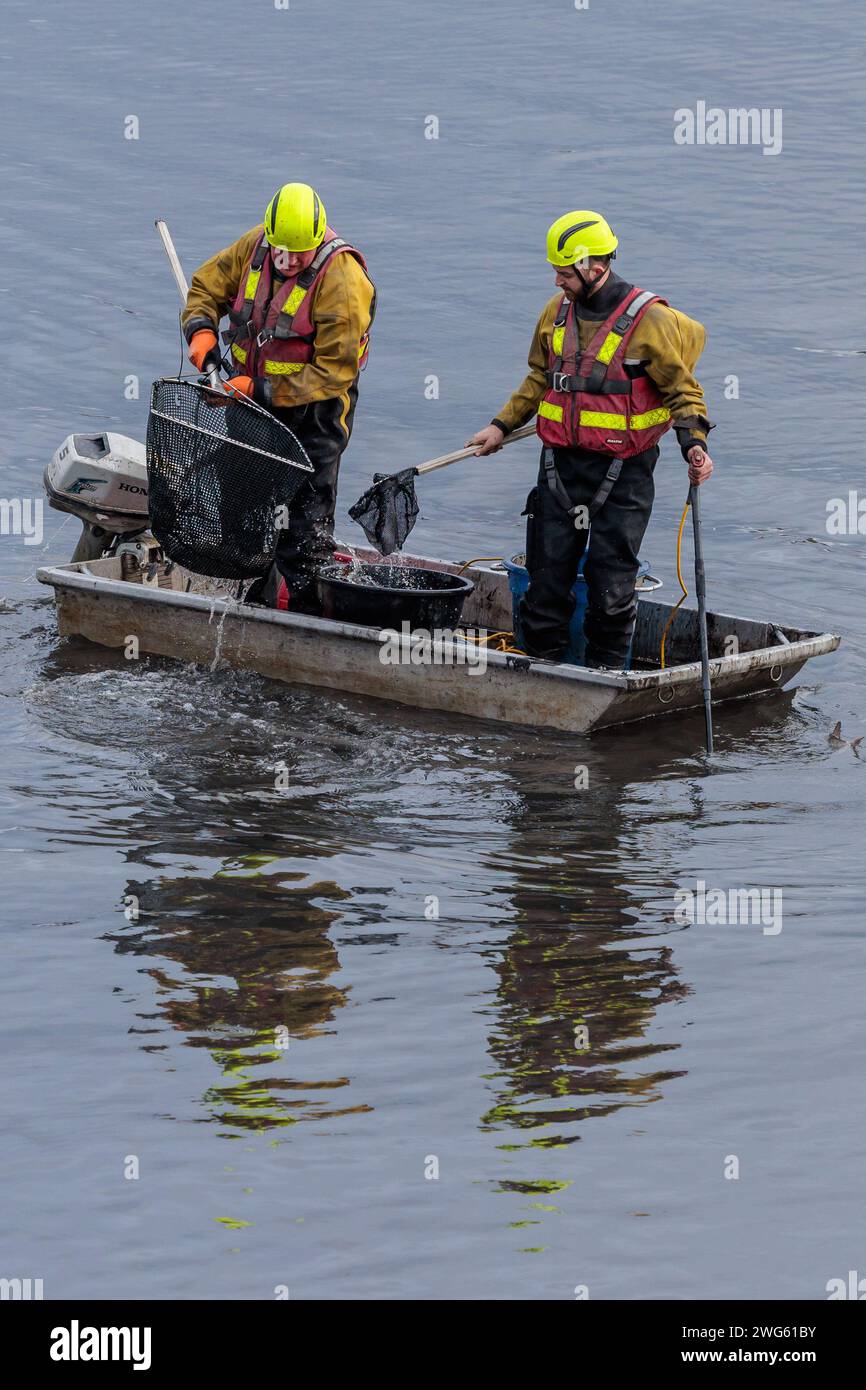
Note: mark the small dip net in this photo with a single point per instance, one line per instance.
(387, 510)
(222, 474)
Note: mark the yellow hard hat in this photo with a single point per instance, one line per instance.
(578, 235)
(295, 219)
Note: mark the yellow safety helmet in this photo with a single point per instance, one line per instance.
(578, 235)
(295, 219)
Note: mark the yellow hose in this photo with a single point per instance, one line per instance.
(504, 640)
(685, 592)
(480, 560)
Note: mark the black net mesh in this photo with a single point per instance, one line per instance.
(220, 469)
(388, 509)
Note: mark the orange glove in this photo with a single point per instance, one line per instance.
(201, 345)
(240, 386)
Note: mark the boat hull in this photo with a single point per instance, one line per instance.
(95, 603)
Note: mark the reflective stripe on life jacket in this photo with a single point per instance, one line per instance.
(272, 332)
(573, 414)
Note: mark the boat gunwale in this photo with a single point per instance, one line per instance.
(79, 576)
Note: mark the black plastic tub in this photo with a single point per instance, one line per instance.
(390, 595)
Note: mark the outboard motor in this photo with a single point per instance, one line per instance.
(101, 478)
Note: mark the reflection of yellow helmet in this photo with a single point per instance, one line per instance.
(578, 235)
(295, 219)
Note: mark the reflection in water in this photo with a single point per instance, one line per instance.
(555, 984)
(580, 979)
(256, 960)
(238, 926)
(258, 911)
(233, 895)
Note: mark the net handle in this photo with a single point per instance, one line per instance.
(523, 433)
(180, 281)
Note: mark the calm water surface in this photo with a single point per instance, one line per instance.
(417, 1041)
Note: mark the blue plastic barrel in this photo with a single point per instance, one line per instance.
(518, 581)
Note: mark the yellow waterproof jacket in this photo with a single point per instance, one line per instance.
(666, 341)
(341, 311)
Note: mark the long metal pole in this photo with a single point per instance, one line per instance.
(180, 281)
(701, 590)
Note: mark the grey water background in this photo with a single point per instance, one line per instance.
(412, 1039)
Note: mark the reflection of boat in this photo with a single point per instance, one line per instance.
(116, 587)
(175, 615)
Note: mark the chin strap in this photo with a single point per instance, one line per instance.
(591, 285)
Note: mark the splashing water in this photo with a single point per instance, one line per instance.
(344, 549)
(230, 603)
(356, 569)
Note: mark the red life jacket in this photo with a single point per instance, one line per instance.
(274, 336)
(595, 401)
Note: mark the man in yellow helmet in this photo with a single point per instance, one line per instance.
(300, 305)
(611, 369)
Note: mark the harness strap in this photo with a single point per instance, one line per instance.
(622, 326)
(243, 315)
(606, 488)
(240, 318)
(555, 483)
(559, 334)
(286, 316)
(560, 382)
